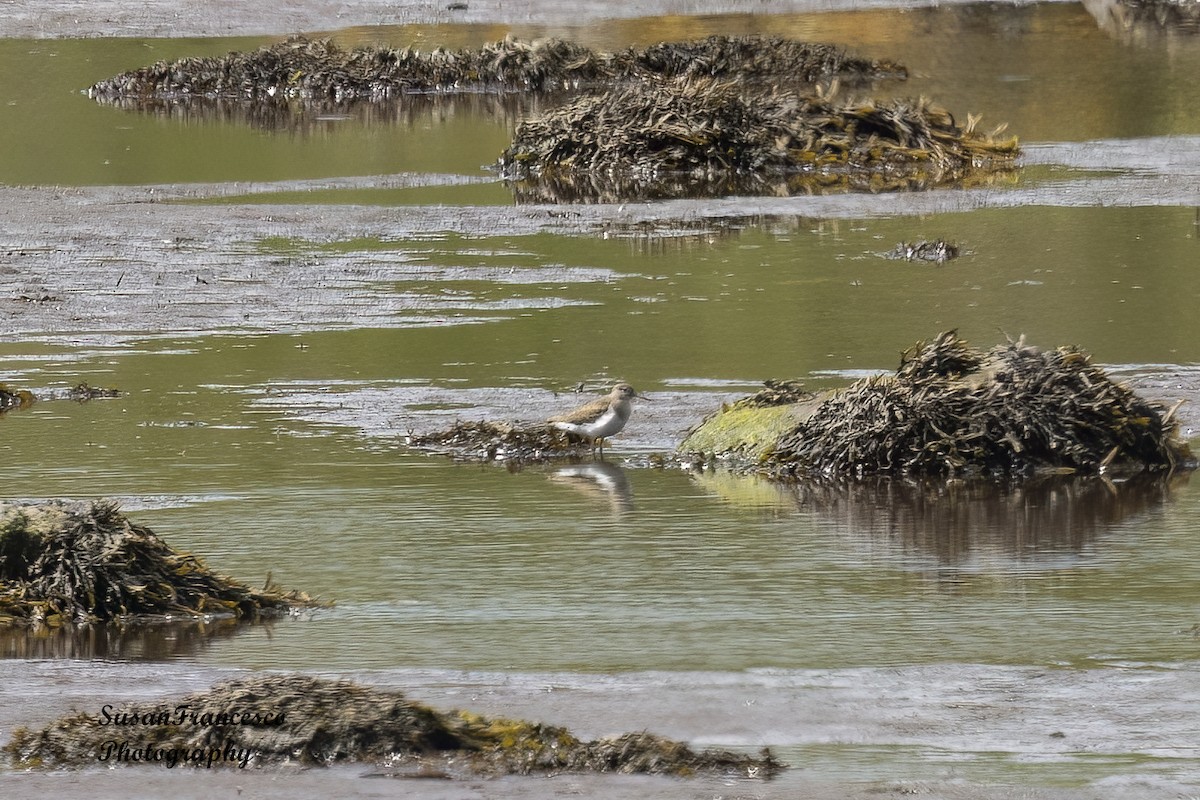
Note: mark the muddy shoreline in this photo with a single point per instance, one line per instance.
(1038, 713)
(40, 20)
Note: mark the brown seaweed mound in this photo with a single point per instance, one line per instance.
(268, 719)
(308, 70)
(640, 135)
(952, 410)
(303, 69)
(85, 562)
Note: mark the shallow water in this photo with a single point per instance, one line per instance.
(1047, 70)
(986, 620)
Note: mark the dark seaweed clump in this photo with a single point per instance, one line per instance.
(85, 562)
(776, 392)
(938, 251)
(628, 141)
(83, 392)
(14, 398)
(953, 410)
(319, 70)
(497, 441)
(318, 722)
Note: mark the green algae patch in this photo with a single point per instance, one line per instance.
(744, 432)
(276, 719)
(79, 563)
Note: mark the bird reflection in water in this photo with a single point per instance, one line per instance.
(599, 479)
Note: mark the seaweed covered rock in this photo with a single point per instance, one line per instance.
(319, 70)
(746, 430)
(640, 137)
(270, 719)
(85, 562)
(953, 410)
(950, 411)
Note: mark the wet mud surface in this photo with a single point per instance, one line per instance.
(117, 263)
(1048, 716)
(269, 719)
(30, 18)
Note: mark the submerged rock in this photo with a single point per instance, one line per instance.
(951, 410)
(658, 138)
(272, 719)
(85, 562)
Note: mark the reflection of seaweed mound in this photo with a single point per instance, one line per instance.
(306, 115)
(320, 722)
(642, 139)
(151, 640)
(321, 71)
(951, 409)
(1150, 19)
(1176, 14)
(85, 562)
(984, 523)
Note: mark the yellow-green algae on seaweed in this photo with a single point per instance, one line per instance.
(746, 430)
(280, 718)
(85, 562)
(951, 410)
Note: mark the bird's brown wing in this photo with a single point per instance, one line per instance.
(584, 414)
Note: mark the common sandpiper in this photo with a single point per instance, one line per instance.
(600, 418)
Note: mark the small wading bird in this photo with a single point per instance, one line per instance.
(599, 419)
